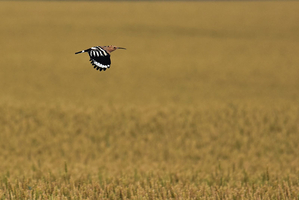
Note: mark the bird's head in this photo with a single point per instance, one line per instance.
(112, 48)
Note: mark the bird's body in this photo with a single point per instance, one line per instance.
(100, 56)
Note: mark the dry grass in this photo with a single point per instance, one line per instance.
(202, 105)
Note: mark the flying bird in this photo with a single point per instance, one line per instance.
(100, 56)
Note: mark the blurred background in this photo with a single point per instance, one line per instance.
(181, 53)
(205, 96)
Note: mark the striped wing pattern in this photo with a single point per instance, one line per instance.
(99, 58)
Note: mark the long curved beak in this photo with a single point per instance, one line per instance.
(121, 48)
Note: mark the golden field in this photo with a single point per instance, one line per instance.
(203, 104)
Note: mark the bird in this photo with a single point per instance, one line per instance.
(100, 56)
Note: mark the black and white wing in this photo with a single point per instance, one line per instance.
(99, 58)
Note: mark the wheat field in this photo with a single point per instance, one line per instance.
(203, 104)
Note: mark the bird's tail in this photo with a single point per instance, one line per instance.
(86, 50)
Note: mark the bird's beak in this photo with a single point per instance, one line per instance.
(120, 48)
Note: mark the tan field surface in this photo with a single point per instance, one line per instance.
(203, 104)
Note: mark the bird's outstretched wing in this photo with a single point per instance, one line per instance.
(99, 58)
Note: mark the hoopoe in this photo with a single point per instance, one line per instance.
(100, 56)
